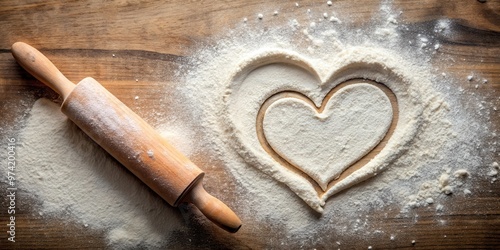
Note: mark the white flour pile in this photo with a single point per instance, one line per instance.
(433, 148)
(72, 176)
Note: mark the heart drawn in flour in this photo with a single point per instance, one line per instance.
(324, 141)
(319, 132)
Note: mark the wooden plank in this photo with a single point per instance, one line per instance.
(151, 39)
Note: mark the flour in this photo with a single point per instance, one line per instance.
(494, 171)
(431, 153)
(309, 76)
(434, 135)
(68, 173)
(357, 117)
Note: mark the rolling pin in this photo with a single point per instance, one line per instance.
(128, 138)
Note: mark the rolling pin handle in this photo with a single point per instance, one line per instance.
(214, 209)
(42, 68)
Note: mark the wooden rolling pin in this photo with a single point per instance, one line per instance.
(128, 138)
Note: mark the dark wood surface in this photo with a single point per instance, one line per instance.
(149, 40)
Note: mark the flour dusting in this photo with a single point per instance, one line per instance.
(432, 156)
(70, 174)
(424, 162)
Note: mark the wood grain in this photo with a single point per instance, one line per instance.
(151, 39)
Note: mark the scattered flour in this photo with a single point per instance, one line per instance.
(70, 174)
(493, 173)
(150, 153)
(444, 183)
(434, 132)
(226, 81)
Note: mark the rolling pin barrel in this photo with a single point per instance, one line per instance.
(128, 138)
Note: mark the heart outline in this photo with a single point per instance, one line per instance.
(354, 62)
(358, 163)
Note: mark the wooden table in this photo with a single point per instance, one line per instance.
(151, 38)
